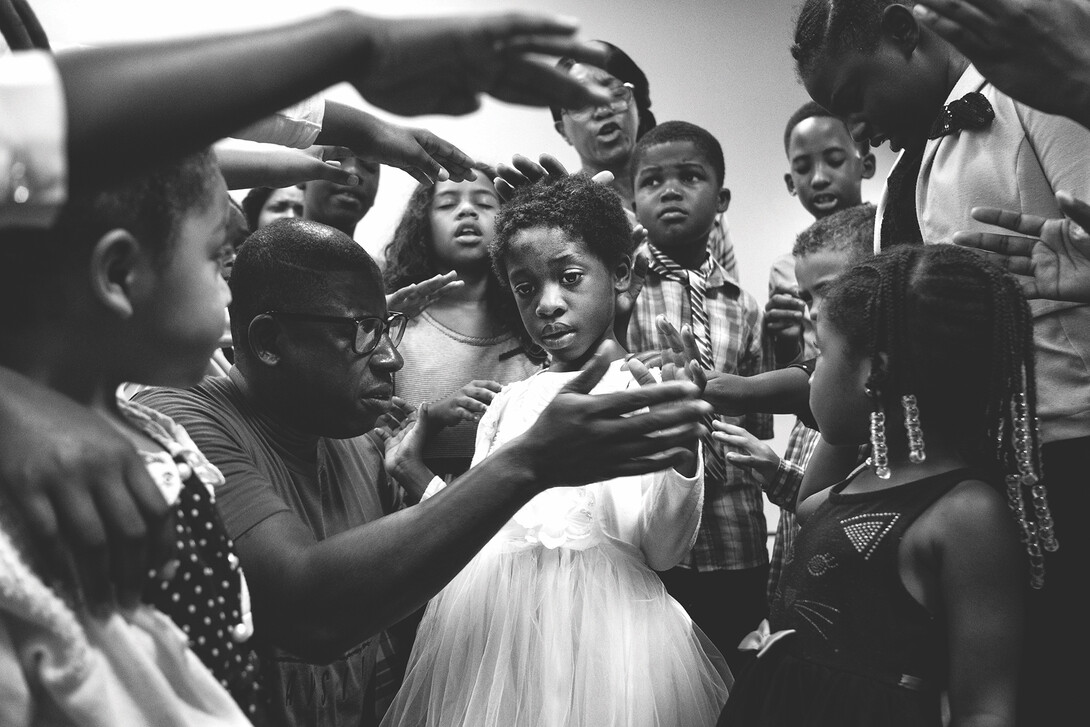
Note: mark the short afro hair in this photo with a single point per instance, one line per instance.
(286, 266)
(581, 208)
(814, 110)
(850, 230)
(668, 131)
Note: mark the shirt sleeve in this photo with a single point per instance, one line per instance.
(670, 517)
(247, 497)
(297, 126)
(33, 139)
(1060, 145)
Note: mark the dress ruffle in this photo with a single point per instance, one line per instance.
(558, 637)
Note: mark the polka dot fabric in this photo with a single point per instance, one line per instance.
(200, 589)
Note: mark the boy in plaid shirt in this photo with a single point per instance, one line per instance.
(678, 173)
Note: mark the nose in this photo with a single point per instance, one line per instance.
(670, 191)
(386, 357)
(821, 178)
(551, 302)
(465, 209)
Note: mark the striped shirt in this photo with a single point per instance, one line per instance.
(733, 532)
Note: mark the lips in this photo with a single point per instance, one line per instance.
(609, 129)
(555, 333)
(668, 214)
(467, 229)
(825, 201)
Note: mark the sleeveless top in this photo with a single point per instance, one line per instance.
(843, 593)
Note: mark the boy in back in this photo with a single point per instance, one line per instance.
(678, 173)
(826, 172)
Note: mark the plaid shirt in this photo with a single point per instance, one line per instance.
(783, 490)
(733, 532)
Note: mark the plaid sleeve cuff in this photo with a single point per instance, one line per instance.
(784, 487)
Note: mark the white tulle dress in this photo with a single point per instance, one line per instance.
(560, 620)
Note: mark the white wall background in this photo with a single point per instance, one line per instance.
(722, 64)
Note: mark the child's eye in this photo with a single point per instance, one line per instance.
(571, 277)
(522, 289)
(649, 181)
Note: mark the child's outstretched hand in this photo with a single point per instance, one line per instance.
(677, 362)
(1055, 265)
(415, 297)
(754, 455)
(404, 452)
(466, 404)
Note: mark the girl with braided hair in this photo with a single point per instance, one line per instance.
(907, 578)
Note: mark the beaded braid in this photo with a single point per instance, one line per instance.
(870, 305)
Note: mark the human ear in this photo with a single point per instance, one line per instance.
(622, 274)
(876, 371)
(723, 200)
(263, 339)
(899, 26)
(868, 165)
(116, 272)
(559, 126)
(790, 182)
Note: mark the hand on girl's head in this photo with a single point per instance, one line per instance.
(415, 297)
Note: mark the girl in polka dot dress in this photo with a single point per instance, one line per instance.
(127, 287)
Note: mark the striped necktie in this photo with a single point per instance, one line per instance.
(695, 284)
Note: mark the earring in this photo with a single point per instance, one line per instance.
(879, 456)
(916, 453)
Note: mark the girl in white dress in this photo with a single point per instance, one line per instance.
(561, 620)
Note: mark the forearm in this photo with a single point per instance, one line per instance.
(671, 516)
(785, 391)
(342, 590)
(178, 98)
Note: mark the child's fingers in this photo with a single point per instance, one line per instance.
(640, 372)
(741, 460)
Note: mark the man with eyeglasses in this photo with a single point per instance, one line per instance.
(307, 501)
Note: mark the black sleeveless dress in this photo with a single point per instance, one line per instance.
(865, 652)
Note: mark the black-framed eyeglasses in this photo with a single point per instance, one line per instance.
(369, 331)
(621, 100)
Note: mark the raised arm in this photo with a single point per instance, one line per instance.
(159, 100)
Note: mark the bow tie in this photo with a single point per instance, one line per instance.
(971, 111)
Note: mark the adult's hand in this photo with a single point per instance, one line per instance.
(581, 438)
(1050, 257)
(523, 171)
(82, 488)
(443, 65)
(1036, 51)
(418, 152)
